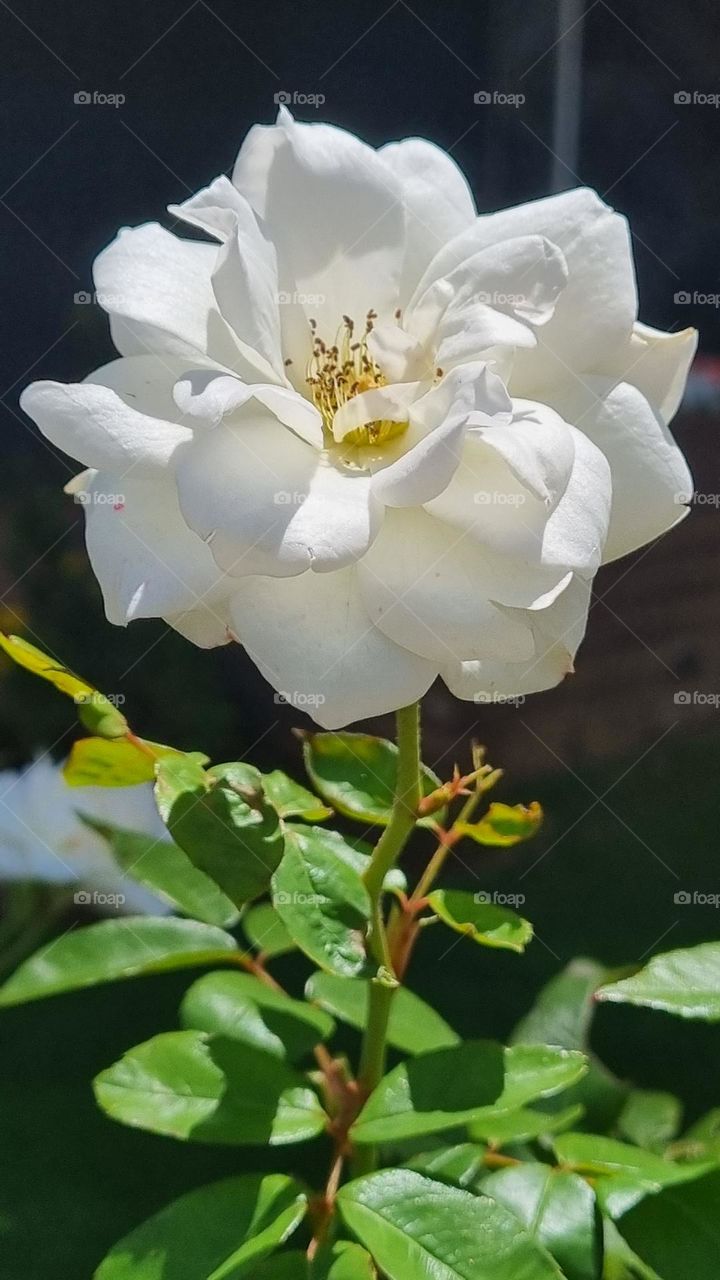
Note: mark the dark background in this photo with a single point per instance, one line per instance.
(628, 778)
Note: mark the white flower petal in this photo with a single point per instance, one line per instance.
(312, 639)
(650, 477)
(657, 364)
(437, 201)
(148, 562)
(218, 209)
(206, 626)
(431, 590)
(245, 285)
(334, 213)
(538, 448)
(93, 424)
(158, 293)
(558, 632)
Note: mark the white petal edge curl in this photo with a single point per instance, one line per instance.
(219, 209)
(93, 424)
(207, 396)
(558, 632)
(657, 364)
(651, 480)
(312, 640)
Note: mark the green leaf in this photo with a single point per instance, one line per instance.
(417, 1228)
(235, 842)
(650, 1119)
(559, 1211)
(218, 1232)
(266, 931)
(188, 1085)
(116, 949)
(291, 800)
(481, 920)
(523, 1125)
(283, 1266)
(352, 851)
(164, 868)
(240, 1007)
(702, 1140)
(677, 1232)
(96, 712)
(562, 1014)
(355, 773)
(458, 1165)
(684, 982)
(322, 902)
(457, 1086)
(632, 1172)
(343, 1260)
(414, 1026)
(504, 825)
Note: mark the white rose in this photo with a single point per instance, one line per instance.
(370, 435)
(42, 837)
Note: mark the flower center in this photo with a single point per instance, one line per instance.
(335, 374)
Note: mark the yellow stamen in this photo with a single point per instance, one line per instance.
(336, 374)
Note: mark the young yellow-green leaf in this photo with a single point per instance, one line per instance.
(343, 1260)
(322, 901)
(650, 1118)
(97, 712)
(523, 1125)
(558, 1209)
(107, 762)
(240, 1007)
(414, 1026)
(265, 930)
(116, 949)
(163, 867)
(702, 1139)
(355, 773)
(677, 1232)
(457, 1086)
(480, 919)
(684, 982)
(234, 838)
(417, 1228)
(201, 1088)
(291, 800)
(504, 825)
(219, 1231)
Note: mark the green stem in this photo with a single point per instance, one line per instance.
(408, 792)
